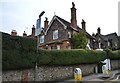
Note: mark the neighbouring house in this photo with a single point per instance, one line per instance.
(57, 34)
(110, 41)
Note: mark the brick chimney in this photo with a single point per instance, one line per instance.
(14, 33)
(99, 30)
(24, 34)
(73, 16)
(83, 25)
(33, 31)
(46, 22)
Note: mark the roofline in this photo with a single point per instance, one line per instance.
(55, 17)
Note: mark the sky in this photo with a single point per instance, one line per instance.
(20, 15)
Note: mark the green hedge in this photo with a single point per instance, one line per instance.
(17, 52)
(114, 55)
(69, 57)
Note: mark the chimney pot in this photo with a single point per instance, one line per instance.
(46, 22)
(24, 34)
(83, 25)
(99, 30)
(14, 33)
(33, 30)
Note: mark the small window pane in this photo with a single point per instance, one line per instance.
(42, 39)
(55, 34)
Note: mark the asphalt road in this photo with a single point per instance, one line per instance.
(113, 77)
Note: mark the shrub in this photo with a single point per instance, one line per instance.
(20, 53)
(17, 52)
(70, 57)
(114, 55)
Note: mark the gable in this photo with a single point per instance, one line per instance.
(52, 21)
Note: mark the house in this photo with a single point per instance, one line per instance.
(57, 34)
(110, 41)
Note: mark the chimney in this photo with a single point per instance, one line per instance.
(83, 25)
(33, 31)
(73, 16)
(93, 34)
(99, 30)
(46, 22)
(24, 34)
(14, 33)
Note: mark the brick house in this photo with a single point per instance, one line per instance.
(110, 41)
(57, 34)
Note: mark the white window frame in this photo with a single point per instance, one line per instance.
(42, 39)
(55, 34)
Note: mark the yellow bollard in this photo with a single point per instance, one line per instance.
(107, 72)
(78, 74)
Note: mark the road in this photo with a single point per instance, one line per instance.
(112, 77)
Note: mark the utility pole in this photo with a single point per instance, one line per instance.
(38, 28)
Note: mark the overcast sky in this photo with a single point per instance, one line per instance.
(20, 15)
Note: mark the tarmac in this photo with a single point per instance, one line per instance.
(98, 78)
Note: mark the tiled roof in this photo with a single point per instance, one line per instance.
(70, 27)
(108, 36)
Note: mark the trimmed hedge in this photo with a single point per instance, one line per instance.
(17, 52)
(20, 52)
(69, 57)
(114, 55)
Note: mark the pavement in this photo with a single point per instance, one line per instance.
(112, 77)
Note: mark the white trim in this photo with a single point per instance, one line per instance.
(74, 28)
(52, 22)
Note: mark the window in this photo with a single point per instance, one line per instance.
(99, 45)
(55, 34)
(69, 34)
(42, 39)
(108, 43)
(58, 47)
(116, 44)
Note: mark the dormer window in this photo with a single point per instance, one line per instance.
(55, 34)
(42, 39)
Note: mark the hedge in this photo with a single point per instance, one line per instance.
(20, 52)
(17, 52)
(69, 57)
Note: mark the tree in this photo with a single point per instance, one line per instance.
(79, 40)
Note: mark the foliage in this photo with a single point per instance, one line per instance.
(69, 57)
(20, 52)
(17, 52)
(114, 55)
(79, 40)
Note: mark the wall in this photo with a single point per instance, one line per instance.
(47, 73)
(115, 64)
